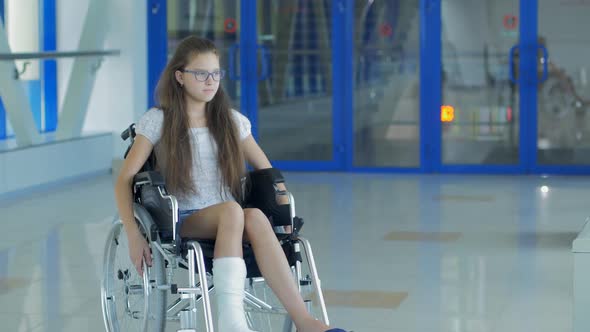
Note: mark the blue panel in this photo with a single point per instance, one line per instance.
(481, 169)
(331, 166)
(304, 165)
(249, 63)
(562, 170)
(49, 66)
(430, 86)
(381, 170)
(528, 83)
(157, 44)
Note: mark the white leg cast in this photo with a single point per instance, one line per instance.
(229, 274)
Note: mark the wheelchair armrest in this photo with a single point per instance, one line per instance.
(261, 191)
(297, 225)
(129, 132)
(281, 215)
(149, 177)
(267, 174)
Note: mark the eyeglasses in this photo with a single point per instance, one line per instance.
(203, 75)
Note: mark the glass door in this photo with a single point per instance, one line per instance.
(386, 90)
(346, 100)
(563, 95)
(480, 109)
(295, 115)
(515, 91)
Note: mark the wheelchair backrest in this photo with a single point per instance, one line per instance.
(129, 133)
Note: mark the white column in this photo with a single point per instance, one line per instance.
(82, 78)
(15, 99)
(22, 28)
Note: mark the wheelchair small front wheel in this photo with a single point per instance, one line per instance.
(132, 302)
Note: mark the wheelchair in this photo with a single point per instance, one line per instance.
(147, 302)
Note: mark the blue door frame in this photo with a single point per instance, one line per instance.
(342, 59)
(430, 86)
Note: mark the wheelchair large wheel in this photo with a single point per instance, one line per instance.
(132, 302)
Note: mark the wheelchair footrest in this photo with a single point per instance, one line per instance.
(197, 291)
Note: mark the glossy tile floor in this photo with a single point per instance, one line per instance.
(411, 253)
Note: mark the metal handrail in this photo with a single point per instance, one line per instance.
(55, 55)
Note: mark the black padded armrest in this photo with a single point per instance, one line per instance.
(149, 177)
(261, 192)
(267, 174)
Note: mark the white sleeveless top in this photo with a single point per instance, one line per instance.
(206, 174)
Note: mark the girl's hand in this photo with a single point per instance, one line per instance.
(282, 199)
(138, 251)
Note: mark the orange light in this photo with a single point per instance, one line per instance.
(447, 113)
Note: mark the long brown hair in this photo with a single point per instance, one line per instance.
(175, 153)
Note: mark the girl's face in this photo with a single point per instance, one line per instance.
(200, 78)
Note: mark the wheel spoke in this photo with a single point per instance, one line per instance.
(127, 294)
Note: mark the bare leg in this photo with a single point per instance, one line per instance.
(223, 222)
(275, 269)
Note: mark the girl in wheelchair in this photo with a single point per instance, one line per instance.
(202, 146)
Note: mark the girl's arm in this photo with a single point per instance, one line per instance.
(137, 156)
(254, 154)
(256, 157)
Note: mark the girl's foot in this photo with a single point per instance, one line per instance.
(313, 325)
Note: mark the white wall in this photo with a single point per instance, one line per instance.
(120, 92)
(62, 161)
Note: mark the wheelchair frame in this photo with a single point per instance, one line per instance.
(168, 255)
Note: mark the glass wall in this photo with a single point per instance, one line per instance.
(386, 84)
(563, 122)
(481, 91)
(480, 111)
(295, 79)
